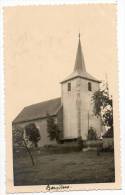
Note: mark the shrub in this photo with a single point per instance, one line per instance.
(80, 142)
(92, 134)
(108, 144)
(61, 148)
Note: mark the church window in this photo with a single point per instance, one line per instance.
(69, 86)
(89, 86)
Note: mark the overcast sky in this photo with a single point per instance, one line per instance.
(41, 44)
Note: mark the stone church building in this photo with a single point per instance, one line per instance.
(73, 111)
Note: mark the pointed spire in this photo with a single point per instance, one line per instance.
(79, 35)
(79, 68)
(79, 63)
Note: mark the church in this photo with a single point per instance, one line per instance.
(72, 112)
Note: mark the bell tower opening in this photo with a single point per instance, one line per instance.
(69, 86)
(89, 86)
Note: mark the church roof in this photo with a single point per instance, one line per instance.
(38, 111)
(79, 68)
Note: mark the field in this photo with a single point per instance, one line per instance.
(68, 168)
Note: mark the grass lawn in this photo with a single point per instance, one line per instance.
(68, 168)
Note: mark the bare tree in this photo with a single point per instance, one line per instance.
(19, 141)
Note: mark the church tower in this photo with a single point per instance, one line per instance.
(77, 90)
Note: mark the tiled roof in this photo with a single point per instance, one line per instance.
(39, 110)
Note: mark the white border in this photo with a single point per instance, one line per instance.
(51, 2)
(121, 62)
(2, 132)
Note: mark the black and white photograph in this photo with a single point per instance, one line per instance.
(62, 97)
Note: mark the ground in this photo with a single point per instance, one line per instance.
(68, 168)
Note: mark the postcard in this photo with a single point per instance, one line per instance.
(61, 97)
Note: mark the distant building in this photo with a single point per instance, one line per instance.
(73, 112)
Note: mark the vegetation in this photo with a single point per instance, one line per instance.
(103, 106)
(81, 167)
(52, 129)
(92, 135)
(20, 142)
(32, 133)
(80, 142)
(61, 148)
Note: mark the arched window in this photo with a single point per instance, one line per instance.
(69, 86)
(89, 86)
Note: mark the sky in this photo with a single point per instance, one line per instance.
(40, 49)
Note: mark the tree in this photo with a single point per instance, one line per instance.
(103, 106)
(52, 128)
(32, 133)
(19, 141)
(18, 135)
